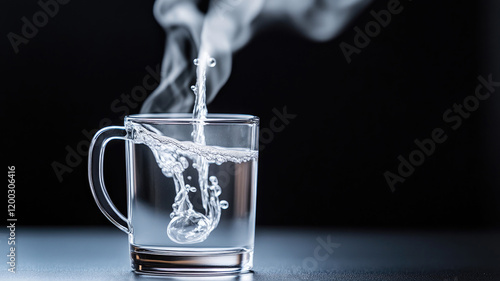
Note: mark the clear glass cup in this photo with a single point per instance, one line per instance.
(191, 205)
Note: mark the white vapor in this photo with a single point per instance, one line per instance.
(227, 26)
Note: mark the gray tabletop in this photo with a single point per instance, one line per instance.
(280, 254)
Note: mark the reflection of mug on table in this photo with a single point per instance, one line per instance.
(191, 206)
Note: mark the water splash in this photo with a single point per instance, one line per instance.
(187, 226)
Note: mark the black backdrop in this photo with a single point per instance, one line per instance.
(326, 168)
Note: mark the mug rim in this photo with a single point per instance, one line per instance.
(187, 118)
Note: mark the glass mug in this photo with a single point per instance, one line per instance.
(191, 205)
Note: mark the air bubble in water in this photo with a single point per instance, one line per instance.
(217, 190)
(224, 204)
(189, 227)
(184, 162)
(167, 172)
(212, 62)
(213, 180)
(196, 61)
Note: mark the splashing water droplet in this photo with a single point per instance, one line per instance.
(224, 204)
(189, 178)
(212, 62)
(192, 189)
(196, 61)
(193, 88)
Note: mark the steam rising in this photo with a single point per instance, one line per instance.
(227, 26)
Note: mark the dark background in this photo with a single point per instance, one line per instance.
(326, 168)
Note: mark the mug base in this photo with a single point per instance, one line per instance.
(202, 262)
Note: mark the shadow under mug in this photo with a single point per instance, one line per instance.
(191, 205)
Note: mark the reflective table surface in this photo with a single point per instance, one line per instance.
(101, 253)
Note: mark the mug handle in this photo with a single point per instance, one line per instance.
(96, 176)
